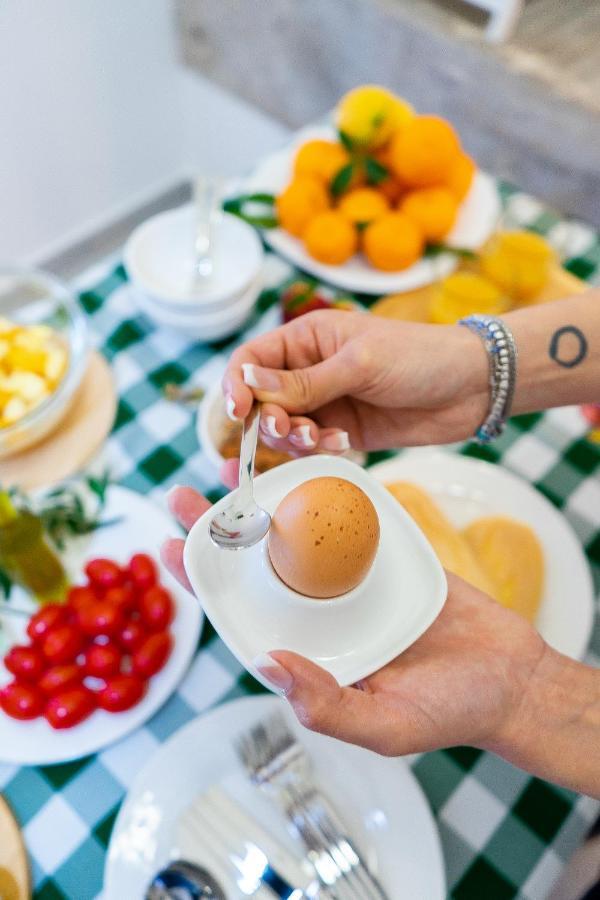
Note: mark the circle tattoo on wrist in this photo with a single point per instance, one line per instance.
(568, 346)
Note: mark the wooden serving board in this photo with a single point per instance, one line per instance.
(14, 868)
(413, 306)
(75, 439)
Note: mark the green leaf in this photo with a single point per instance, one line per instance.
(376, 172)
(341, 181)
(236, 206)
(98, 486)
(346, 141)
(5, 584)
(438, 249)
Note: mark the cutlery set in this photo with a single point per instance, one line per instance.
(226, 854)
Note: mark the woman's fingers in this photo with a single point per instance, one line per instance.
(187, 505)
(171, 553)
(349, 714)
(300, 390)
(274, 422)
(230, 471)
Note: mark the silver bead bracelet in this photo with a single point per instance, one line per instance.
(501, 349)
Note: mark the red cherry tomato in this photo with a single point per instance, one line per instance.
(49, 616)
(102, 660)
(62, 644)
(100, 618)
(80, 596)
(121, 693)
(104, 573)
(131, 635)
(142, 571)
(156, 608)
(123, 597)
(59, 678)
(152, 654)
(70, 707)
(21, 701)
(25, 663)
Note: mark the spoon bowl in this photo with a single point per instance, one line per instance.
(243, 522)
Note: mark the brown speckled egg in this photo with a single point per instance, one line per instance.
(324, 537)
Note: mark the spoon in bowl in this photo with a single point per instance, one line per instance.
(243, 522)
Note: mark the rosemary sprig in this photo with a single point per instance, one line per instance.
(63, 514)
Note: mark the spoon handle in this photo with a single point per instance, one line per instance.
(248, 453)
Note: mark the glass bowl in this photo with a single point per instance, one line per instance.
(33, 297)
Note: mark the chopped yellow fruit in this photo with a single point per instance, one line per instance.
(14, 409)
(33, 359)
(56, 363)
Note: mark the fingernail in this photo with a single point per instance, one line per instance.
(169, 494)
(230, 408)
(338, 441)
(274, 673)
(300, 436)
(269, 424)
(257, 377)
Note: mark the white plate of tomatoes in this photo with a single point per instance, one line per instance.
(83, 674)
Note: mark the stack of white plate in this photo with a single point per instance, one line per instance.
(159, 259)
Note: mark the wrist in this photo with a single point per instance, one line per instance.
(554, 729)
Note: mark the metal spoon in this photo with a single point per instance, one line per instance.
(182, 879)
(243, 523)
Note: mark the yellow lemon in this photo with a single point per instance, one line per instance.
(463, 294)
(370, 114)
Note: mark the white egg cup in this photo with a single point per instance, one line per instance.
(352, 635)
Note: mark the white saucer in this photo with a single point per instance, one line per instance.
(351, 636)
(380, 800)
(159, 260)
(467, 488)
(477, 218)
(141, 527)
(209, 325)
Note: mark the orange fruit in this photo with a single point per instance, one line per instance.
(393, 242)
(331, 238)
(302, 199)
(363, 205)
(423, 152)
(461, 174)
(369, 114)
(391, 188)
(433, 210)
(320, 159)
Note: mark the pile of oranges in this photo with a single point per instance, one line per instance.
(391, 184)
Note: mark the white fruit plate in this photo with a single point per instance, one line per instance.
(141, 527)
(477, 219)
(351, 636)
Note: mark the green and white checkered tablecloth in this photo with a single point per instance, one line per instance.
(504, 833)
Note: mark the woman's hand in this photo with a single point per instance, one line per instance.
(480, 675)
(366, 382)
(463, 682)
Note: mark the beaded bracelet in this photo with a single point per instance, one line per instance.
(502, 355)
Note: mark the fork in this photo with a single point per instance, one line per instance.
(278, 764)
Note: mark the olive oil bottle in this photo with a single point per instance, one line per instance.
(25, 555)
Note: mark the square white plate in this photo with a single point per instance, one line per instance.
(351, 636)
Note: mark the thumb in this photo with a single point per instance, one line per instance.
(320, 704)
(300, 390)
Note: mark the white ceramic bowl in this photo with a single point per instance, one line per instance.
(213, 425)
(159, 259)
(350, 636)
(212, 325)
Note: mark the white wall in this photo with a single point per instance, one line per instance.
(97, 116)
